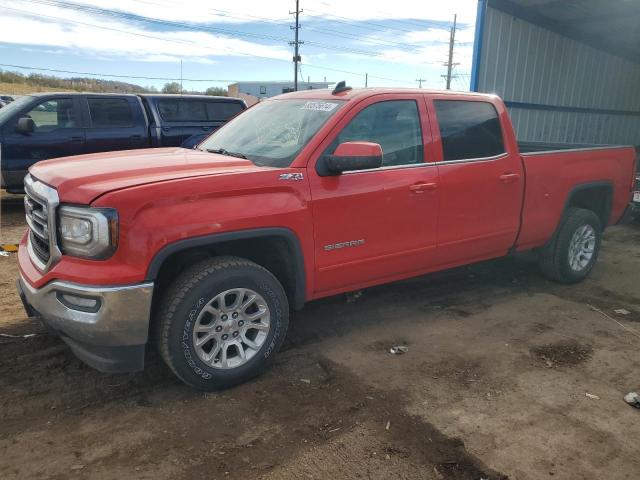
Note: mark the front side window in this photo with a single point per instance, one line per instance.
(10, 109)
(54, 114)
(468, 129)
(394, 125)
(273, 132)
(110, 112)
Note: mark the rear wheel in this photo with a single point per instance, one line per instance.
(221, 322)
(573, 251)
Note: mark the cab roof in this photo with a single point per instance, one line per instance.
(358, 93)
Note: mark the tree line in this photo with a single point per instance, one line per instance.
(83, 84)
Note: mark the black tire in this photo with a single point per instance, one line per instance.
(186, 298)
(554, 257)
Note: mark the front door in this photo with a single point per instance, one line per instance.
(379, 224)
(58, 133)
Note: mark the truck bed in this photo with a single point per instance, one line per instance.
(548, 147)
(556, 171)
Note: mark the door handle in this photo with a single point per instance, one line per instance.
(509, 177)
(76, 139)
(206, 129)
(423, 187)
(136, 137)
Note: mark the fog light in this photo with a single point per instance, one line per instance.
(86, 304)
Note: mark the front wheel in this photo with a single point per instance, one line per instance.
(221, 322)
(571, 254)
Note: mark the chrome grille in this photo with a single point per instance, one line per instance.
(36, 213)
(39, 206)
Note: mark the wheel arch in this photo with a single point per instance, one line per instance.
(594, 196)
(281, 243)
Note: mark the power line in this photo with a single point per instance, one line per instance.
(387, 15)
(321, 30)
(187, 26)
(24, 67)
(187, 42)
(372, 41)
(220, 80)
(372, 25)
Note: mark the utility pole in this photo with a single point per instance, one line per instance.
(296, 43)
(420, 80)
(366, 80)
(452, 39)
(180, 76)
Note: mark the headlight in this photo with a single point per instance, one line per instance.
(88, 232)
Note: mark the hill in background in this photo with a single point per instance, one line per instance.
(19, 84)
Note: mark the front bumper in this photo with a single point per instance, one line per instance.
(106, 327)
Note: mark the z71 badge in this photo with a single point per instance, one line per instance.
(291, 176)
(351, 243)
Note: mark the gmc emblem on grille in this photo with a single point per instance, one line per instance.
(351, 243)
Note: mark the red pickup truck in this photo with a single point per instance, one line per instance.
(306, 195)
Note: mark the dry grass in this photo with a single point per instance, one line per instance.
(23, 88)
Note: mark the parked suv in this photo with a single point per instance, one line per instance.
(50, 125)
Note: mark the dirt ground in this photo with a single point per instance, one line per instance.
(494, 385)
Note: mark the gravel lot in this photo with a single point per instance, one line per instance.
(493, 386)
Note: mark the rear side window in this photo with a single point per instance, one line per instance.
(223, 110)
(187, 110)
(468, 129)
(110, 112)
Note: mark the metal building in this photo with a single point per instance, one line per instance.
(568, 70)
(271, 89)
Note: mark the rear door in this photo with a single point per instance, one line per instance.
(481, 183)
(219, 111)
(114, 123)
(377, 224)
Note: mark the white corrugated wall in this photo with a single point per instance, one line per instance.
(530, 65)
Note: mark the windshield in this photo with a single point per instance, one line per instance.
(273, 132)
(13, 107)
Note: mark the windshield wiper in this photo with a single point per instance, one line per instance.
(222, 151)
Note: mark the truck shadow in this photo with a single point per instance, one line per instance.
(42, 367)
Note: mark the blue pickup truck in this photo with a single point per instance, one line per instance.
(49, 125)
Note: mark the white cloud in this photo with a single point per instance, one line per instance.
(239, 11)
(59, 29)
(122, 39)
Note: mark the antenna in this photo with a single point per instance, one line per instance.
(340, 87)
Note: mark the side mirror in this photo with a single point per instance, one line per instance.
(350, 156)
(26, 126)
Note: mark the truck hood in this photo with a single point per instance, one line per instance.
(82, 178)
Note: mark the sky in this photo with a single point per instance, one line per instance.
(220, 42)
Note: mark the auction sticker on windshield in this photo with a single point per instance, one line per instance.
(319, 106)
